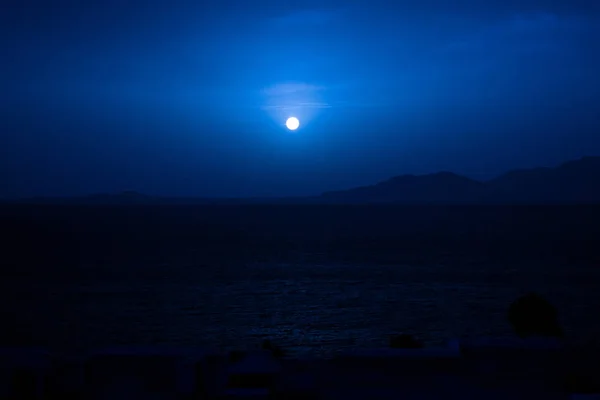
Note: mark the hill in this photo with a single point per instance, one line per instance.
(574, 182)
(439, 188)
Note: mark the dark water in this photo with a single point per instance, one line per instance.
(314, 279)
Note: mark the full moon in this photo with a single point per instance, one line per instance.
(292, 123)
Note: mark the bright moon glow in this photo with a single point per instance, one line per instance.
(292, 123)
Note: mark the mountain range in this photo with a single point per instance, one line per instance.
(574, 182)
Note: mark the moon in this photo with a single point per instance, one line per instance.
(292, 123)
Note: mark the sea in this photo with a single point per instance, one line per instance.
(316, 280)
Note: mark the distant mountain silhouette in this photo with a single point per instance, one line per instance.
(574, 182)
(136, 198)
(127, 197)
(442, 187)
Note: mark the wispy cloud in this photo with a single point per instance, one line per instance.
(542, 23)
(524, 32)
(292, 106)
(294, 95)
(287, 89)
(305, 18)
(301, 99)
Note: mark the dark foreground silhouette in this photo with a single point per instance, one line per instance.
(532, 315)
(405, 341)
(405, 371)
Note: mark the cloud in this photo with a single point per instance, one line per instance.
(301, 99)
(305, 18)
(482, 8)
(542, 23)
(302, 105)
(525, 32)
(288, 89)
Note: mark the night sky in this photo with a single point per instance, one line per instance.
(190, 98)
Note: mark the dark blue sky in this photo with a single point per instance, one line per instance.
(190, 98)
